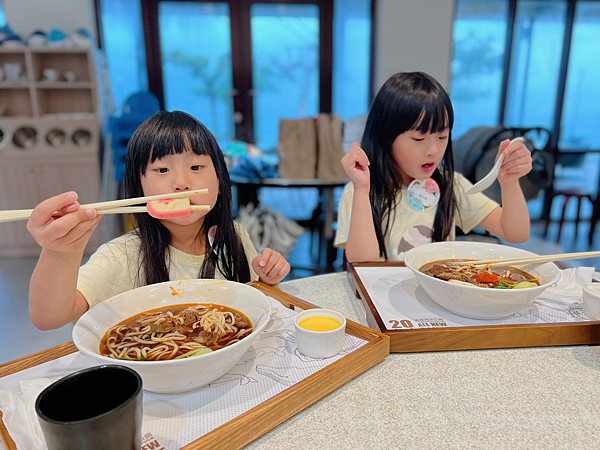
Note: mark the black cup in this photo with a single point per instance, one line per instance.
(93, 409)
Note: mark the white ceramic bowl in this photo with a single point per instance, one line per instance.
(182, 374)
(472, 301)
(320, 344)
(591, 300)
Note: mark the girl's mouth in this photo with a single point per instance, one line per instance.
(427, 167)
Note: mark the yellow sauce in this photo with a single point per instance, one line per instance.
(320, 323)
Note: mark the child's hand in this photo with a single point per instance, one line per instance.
(517, 161)
(356, 164)
(67, 234)
(271, 267)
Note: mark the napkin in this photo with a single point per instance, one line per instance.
(19, 414)
(568, 290)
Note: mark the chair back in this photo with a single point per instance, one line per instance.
(141, 104)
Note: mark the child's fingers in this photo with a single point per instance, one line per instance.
(277, 268)
(260, 261)
(264, 257)
(520, 169)
(274, 258)
(503, 145)
(520, 156)
(43, 212)
(356, 158)
(515, 147)
(82, 232)
(60, 227)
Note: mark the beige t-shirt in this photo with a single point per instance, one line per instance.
(411, 228)
(113, 269)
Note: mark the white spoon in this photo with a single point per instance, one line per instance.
(487, 181)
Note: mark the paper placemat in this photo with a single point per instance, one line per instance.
(396, 294)
(271, 365)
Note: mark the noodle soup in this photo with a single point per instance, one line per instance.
(497, 276)
(175, 332)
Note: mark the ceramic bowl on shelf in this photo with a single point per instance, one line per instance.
(178, 375)
(473, 301)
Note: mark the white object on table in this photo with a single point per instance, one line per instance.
(320, 344)
(487, 181)
(591, 300)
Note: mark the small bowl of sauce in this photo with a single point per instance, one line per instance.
(320, 333)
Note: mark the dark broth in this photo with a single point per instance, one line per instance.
(509, 274)
(133, 323)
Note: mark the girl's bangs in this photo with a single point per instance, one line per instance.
(434, 118)
(177, 143)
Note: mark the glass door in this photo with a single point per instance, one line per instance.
(241, 65)
(195, 50)
(285, 66)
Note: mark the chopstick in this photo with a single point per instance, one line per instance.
(142, 209)
(134, 201)
(530, 259)
(101, 207)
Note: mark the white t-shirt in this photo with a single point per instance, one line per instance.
(114, 267)
(411, 228)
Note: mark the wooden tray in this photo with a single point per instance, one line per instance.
(254, 423)
(471, 337)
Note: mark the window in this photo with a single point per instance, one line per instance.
(351, 56)
(581, 111)
(542, 84)
(2, 15)
(478, 48)
(535, 63)
(195, 43)
(123, 43)
(252, 92)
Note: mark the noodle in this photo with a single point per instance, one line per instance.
(165, 334)
(498, 277)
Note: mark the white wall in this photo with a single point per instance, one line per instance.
(26, 16)
(411, 36)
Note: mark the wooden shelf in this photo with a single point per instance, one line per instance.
(58, 50)
(63, 85)
(34, 97)
(14, 85)
(49, 136)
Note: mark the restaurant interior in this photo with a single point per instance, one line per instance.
(77, 77)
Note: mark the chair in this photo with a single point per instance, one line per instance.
(567, 184)
(567, 194)
(141, 104)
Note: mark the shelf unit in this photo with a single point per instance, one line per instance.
(49, 137)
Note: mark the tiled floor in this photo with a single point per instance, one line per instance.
(23, 338)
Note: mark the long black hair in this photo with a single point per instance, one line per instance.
(168, 133)
(407, 101)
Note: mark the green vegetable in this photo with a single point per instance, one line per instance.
(503, 285)
(142, 357)
(524, 285)
(196, 352)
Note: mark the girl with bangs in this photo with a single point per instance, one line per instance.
(404, 191)
(170, 152)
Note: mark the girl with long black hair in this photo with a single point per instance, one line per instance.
(404, 191)
(170, 152)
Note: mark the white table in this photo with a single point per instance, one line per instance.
(516, 398)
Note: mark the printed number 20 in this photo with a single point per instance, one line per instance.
(402, 324)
